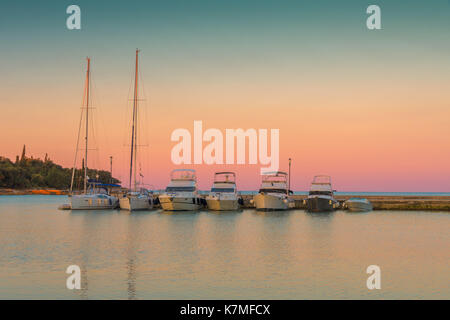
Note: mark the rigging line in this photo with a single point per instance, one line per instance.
(134, 122)
(94, 120)
(101, 127)
(147, 119)
(94, 140)
(76, 150)
(83, 100)
(144, 111)
(126, 123)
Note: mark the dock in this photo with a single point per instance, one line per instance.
(385, 202)
(434, 203)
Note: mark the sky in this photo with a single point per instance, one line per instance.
(370, 108)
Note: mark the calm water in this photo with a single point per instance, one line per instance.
(237, 255)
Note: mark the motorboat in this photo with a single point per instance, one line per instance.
(223, 194)
(274, 193)
(321, 195)
(181, 194)
(358, 205)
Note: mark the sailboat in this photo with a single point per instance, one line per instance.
(135, 199)
(95, 194)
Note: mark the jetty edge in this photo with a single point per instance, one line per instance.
(384, 202)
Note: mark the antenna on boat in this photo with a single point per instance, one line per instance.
(110, 167)
(289, 181)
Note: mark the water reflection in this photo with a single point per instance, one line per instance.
(84, 282)
(175, 213)
(324, 215)
(84, 242)
(220, 255)
(131, 257)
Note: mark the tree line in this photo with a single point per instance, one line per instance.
(27, 172)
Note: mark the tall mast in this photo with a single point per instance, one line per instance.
(87, 123)
(134, 126)
(136, 99)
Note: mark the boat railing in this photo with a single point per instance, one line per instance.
(183, 175)
(225, 177)
(321, 179)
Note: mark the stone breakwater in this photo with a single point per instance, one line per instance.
(385, 202)
(436, 203)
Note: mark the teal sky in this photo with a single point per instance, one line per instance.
(237, 61)
(205, 35)
(188, 40)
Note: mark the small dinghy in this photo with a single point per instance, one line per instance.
(65, 206)
(358, 205)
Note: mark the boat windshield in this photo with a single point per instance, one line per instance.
(180, 189)
(97, 190)
(272, 190)
(318, 193)
(222, 190)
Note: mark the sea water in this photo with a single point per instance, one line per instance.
(210, 255)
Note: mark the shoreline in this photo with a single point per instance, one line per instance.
(25, 192)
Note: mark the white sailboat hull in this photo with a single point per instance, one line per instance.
(270, 202)
(93, 202)
(136, 203)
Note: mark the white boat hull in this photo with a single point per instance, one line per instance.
(222, 205)
(321, 204)
(136, 203)
(179, 203)
(358, 206)
(270, 202)
(88, 202)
